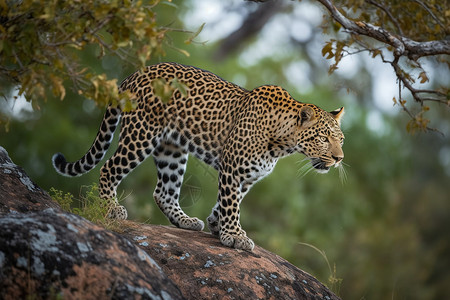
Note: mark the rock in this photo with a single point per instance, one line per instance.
(17, 191)
(205, 269)
(51, 254)
(48, 253)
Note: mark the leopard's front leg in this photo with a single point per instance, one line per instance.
(230, 195)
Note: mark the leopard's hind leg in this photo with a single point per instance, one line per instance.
(171, 164)
(137, 142)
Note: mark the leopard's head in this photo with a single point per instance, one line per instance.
(320, 137)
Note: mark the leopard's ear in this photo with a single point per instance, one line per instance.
(307, 117)
(338, 114)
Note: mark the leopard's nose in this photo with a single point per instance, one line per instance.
(338, 159)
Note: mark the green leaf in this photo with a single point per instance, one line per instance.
(190, 39)
(162, 89)
(180, 86)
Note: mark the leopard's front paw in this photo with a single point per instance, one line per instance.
(118, 212)
(191, 223)
(238, 241)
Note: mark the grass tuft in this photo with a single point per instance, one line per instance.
(334, 282)
(89, 206)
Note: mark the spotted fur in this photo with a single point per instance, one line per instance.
(240, 133)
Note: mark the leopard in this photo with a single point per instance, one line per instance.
(240, 133)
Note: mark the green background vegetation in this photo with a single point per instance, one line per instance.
(385, 228)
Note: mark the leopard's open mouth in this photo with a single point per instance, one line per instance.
(319, 165)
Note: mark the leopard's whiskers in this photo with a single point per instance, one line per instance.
(305, 168)
(343, 172)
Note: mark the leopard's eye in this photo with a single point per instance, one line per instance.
(323, 139)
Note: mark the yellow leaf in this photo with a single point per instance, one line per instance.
(423, 77)
(58, 87)
(336, 26)
(183, 52)
(375, 53)
(328, 49)
(332, 69)
(94, 82)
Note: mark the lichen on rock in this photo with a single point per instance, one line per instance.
(38, 250)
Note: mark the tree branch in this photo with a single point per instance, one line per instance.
(403, 45)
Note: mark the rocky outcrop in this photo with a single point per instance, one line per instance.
(203, 268)
(47, 253)
(17, 191)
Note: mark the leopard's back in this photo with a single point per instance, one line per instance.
(198, 120)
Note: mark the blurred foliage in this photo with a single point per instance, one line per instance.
(41, 42)
(384, 231)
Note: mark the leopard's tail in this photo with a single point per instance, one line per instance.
(96, 152)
